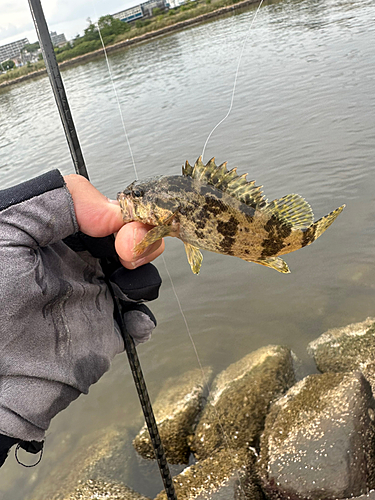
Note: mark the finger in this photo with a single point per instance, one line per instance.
(128, 237)
(96, 215)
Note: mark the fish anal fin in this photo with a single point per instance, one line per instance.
(155, 234)
(292, 210)
(194, 257)
(274, 263)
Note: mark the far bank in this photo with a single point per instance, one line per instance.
(136, 40)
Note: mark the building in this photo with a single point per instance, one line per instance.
(152, 4)
(29, 57)
(57, 40)
(12, 50)
(143, 10)
(176, 3)
(130, 14)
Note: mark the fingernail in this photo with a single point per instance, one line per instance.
(139, 262)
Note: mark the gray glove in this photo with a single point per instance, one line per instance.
(57, 332)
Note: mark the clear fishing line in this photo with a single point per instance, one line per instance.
(235, 78)
(205, 381)
(117, 97)
(204, 378)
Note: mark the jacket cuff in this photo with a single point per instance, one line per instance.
(30, 189)
(38, 212)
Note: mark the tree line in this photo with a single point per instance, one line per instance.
(110, 28)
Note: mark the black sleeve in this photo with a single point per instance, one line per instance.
(29, 189)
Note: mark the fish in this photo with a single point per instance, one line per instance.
(212, 208)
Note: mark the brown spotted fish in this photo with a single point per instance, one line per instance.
(214, 209)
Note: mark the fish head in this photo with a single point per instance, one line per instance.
(137, 201)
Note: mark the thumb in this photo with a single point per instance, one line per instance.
(96, 215)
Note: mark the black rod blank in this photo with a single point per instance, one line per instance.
(80, 167)
(57, 86)
(149, 416)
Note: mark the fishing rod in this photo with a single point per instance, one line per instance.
(80, 168)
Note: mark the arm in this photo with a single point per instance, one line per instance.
(57, 334)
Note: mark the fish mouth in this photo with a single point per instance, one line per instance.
(127, 207)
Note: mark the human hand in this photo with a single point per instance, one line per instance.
(57, 331)
(98, 216)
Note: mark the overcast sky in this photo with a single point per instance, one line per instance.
(64, 16)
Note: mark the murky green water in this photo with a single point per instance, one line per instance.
(302, 121)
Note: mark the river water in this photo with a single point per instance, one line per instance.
(302, 121)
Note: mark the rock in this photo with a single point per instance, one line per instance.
(176, 409)
(103, 456)
(369, 374)
(226, 475)
(240, 399)
(369, 496)
(102, 490)
(345, 349)
(319, 440)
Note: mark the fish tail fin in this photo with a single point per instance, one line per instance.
(324, 223)
(318, 228)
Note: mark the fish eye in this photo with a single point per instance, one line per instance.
(137, 193)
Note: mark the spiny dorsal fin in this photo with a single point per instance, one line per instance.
(187, 169)
(293, 210)
(227, 181)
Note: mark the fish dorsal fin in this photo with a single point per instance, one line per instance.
(293, 210)
(187, 169)
(227, 181)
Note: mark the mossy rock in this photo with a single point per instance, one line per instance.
(319, 439)
(177, 408)
(99, 457)
(98, 490)
(227, 475)
(240, 398)
(344, 349)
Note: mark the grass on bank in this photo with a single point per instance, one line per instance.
(24, 70)
(90, 41)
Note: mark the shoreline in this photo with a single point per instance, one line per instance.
(133, 41)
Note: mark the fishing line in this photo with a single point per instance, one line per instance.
(204, 378)
(117, 97)
(205, 381)
(235, 78)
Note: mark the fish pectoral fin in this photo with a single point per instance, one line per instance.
(166, 221)
(274, 263)
(194, 256)
(155, 234)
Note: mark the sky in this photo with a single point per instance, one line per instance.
(63, 16)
